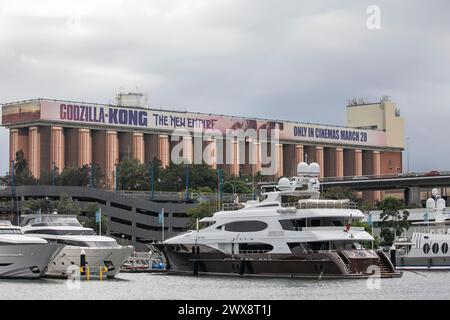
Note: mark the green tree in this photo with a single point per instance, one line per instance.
(203, 209)
(65, 205)
(394, 219)
(45, 204)
(132, 175)
(339, 193)
(22, 174)
(89, 221)
(70, 177)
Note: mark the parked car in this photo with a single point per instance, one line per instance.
(360, 178)
(432, 173)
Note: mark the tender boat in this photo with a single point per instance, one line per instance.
(82, 246)
(291, 233)
(22, 256)
(428, 248)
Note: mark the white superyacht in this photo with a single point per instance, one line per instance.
(22, 256)
(82, 246)
(428, 247)
(291, 233)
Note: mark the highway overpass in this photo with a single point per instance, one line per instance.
(410, 184)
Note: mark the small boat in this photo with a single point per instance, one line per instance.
(22, 256)
(140, 262)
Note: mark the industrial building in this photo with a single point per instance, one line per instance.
(74, 134)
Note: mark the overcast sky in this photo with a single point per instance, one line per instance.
(296, 60)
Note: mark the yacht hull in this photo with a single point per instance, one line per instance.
(26, 260)
(423, 263)
(96, 258)
(310, 265)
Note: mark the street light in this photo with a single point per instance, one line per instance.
(53, 173)
(91, 175)
(187, 182)
(233, 188)
(116, 178)
(152, 181)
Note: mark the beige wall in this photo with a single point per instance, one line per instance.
(379, 116)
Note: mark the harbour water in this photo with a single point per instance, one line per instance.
(413, 285)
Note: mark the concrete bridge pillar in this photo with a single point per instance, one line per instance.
(412, 196)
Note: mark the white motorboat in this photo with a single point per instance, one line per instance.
(82, 246)
(23, 256)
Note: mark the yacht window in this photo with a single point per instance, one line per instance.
(268, 205)
(297, 248)
(246, 226)
(338, 223)
(315, 223)
(318, 245)
(62, 232)
(202, 225)
(92, 244)
(53, 221)
(444, 247)
(293, 224)
(426, 248)
(435, 248)
(254, 247)
(10, 231)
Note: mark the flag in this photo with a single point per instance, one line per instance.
(98, 215)
(369, 220)
(161, 215)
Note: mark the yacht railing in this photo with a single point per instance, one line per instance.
(232, 206)
(253, 251)
(320, 204)
(332, 228)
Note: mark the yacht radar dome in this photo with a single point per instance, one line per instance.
(440, 204)
(314, 169)
(284, 184)
(431, 204)
(302, 169)
(435, 192)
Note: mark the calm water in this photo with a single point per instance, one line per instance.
(422, 285)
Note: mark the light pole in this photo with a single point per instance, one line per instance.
(233, 189)
(219, 191)
(116, 178)
(13, 191)
(187, 182)
(91, 175)
(152, 181)
(407, 157)
(53, 173)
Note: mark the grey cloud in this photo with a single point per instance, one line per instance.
(285, 60)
